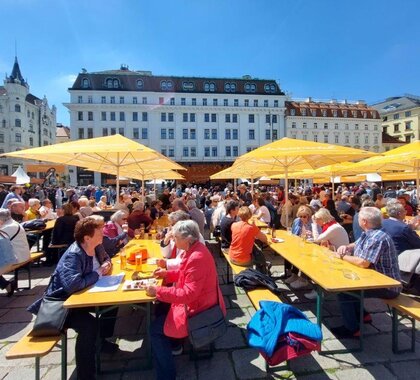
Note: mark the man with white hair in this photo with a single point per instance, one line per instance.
(196, 214)
(33, 211)
(374, 249)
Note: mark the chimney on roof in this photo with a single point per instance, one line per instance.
(124, 67)
(308, 99)
(247, 77)
(345, 101)
(361, 102)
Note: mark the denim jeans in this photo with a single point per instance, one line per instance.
(350, 305)
(162, 350)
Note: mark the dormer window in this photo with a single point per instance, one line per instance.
(292, 112)
(109, 83)
(209, 87)
(270, 88)
(335, 113)
(188, 86)
(85, 83)
(166, 85)
(139, 83)
(230, 87)
(345, 113)
(116, 83)
(303, 111)
(324, 113)
(250, 87)
(313, 112)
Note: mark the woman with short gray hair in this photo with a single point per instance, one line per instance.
(196, 289)
(114, 227)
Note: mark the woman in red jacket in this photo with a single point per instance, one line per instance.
(196, 287)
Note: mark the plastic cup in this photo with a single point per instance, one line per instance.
(289, 230)
(138, 263)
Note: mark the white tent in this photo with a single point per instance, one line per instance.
(21, 176)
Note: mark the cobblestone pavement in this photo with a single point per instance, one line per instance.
(233, 358)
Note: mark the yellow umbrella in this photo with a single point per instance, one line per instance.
(287, 155)
(114, 151)
(406, 157)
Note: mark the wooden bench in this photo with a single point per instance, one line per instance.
(37, 347)
(403, 307)
(25, 265)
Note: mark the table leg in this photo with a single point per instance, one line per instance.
(319, 302)
(361, 324)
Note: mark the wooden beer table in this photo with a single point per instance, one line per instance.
(329, 273)
(105, 301)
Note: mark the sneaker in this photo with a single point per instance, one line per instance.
(109, 347)
(176, 351)
(312, 295)
(291, 279)
(300, 283)
(344, 332)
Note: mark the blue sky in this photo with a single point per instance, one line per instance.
(359, 49)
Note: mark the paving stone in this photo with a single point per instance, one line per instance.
(18, 315)
(406, 370)
(319, 376)
(21, 302)
(217, 367)
(371, 372)
(232, 339)
(237, 316)
(185, 368)
(241, 301)
(249, 364)
(312, 363)
(12, 332)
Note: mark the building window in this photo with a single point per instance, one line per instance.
(144, 134)
(31, 141)
(347, 140)
(251, 118)
(171, 152)
(134, 99)
(144, 116)
(325, 125)
(209, 87)
(122, 116)
(206, 134)
(269, 88)
(104, 131)
(170, 116)
(255, 102)
(345, 113)
(265, 103)
(90, 99)
(90, 133)
(166, 85)
(135, 133)
(185, 151)
(251, 134)
(336, 139)
(90, 116)
(184, 117)
(274, 119)
(206, 151)
(396, 127)
(185, 134)
(121, 131)
(80, 99)
(171, 133)
(214, 134)
(396, 116)
(315, 138)
(113, 131)
(214, 102)
(315, 125)
(163, 133)
(103, 99)
(407, 113)
(292, 112)
(303, 111)
(1, 138)
(375, 140)
(112, 99)
(85, 83)
(366, 127)
(235, 151)
(193, 134)
(230, 87)
(193, 101)
(213, 118)
(234, 118)
(193, 151)
(267, 134)
(163, 116)
(204, 101)
(139, 83)
(366, 139)
(227, 134)
(144, 100)
(214, 151)
(225, 102)
(228, 151)
(246, 103)
(18, 123)
(304, 125)
(325, 138)
(135, 116)
(276, 103)
(250, 87)
(356, 140)
(121, 99)
(206, 117)
(17, 108)
(227, 118)
(275, 134)
(18, 137)
(81, 133)
(407, 125)
(182, 101)
(80, 116)
(236, 102)
(234, 134)
(336, 126)
(305, 137)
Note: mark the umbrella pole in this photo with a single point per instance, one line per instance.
(418, 185)
(333, 194)
(142, 188)
(252, 185)
(286, 196)
(118, 179)
(234, 184)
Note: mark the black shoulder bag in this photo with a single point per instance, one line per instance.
(207, 326)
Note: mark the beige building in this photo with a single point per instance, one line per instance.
(401, 117)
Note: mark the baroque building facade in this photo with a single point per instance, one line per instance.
(26, 120)
(202, 123)
(351, 124)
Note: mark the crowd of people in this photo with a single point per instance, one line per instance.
(364, 225)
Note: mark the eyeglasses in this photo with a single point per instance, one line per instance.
(304, 216)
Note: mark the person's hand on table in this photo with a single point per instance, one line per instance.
(160, 273)
(341, 251)
(161, 263)
(151, 290)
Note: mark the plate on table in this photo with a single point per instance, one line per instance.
(141, 275)
(138, 284)
(277, 240)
